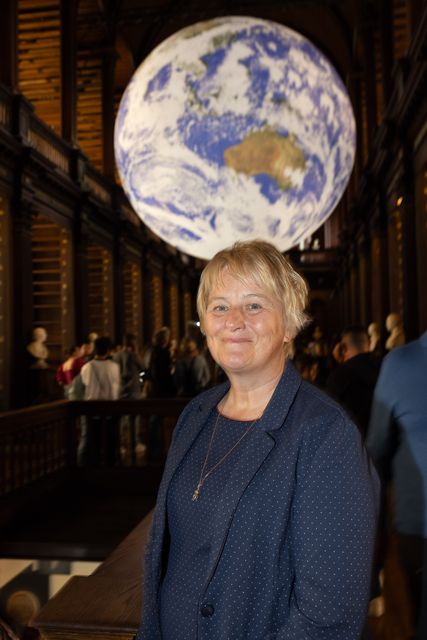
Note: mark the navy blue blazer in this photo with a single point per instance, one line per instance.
(293, 534)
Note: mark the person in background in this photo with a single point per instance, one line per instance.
(352, 382)
(159, 374)
(159, 384)
(397, 442)
(131, 366)
(90, 344)
(266, 514)
(192, 373)
(307, 365)
(101, 379)
(69, 369)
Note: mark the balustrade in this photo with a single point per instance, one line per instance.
(37, 441)
(48, 145)
(34, 442)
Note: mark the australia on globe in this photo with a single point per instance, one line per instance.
(233, 129)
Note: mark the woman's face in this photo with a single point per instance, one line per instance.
(244, 328)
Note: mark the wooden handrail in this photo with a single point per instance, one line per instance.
(106, 604)
(164, 407)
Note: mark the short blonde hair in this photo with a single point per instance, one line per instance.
(262, 262)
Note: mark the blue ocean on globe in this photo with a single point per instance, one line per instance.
(233, 129)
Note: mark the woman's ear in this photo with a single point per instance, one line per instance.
(287, 337)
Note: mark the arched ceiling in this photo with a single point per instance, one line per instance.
(328, 23)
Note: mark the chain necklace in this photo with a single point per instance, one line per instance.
(203, 475)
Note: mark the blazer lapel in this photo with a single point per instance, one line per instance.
(193, 423)
(251, 456)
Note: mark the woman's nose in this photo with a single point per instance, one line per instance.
(235, 318)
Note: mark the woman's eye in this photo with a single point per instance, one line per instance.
(254, 306)
(218, 308)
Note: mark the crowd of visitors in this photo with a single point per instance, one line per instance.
(99, 370)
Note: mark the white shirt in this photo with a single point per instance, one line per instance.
(101, 379)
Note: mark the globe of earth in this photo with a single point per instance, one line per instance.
(234, 129)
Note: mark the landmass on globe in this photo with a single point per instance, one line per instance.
(266, 152)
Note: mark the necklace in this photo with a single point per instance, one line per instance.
(203, 475)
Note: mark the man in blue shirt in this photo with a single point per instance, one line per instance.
(397, 442)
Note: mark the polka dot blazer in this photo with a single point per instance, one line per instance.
(292, 537)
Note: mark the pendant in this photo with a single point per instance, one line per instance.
(196, 492)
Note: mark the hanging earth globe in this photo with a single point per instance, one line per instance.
(233, 129)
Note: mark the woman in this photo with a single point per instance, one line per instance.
(69, 369)
(265, 518)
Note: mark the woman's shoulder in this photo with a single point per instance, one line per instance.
(315, 409)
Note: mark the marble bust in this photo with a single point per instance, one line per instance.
(394, 326)
(374, 336)
(38, 349)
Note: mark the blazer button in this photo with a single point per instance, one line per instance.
(207, 610)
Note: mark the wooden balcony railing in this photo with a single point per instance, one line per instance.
(37, 441)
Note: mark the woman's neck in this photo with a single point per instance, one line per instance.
(246, 400)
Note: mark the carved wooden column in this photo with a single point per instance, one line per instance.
(69, 70)
(386, 29)
(354, 285)
(369, 82)
(108, 66)
(354, 88)
(22, 296)
(185, 306)
(379, 265)
(364, 278)
(346, 293)
(153, 317)
(8, 43)
(119, 255)
(80, 243)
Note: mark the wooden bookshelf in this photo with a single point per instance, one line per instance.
(4, 301)
(52, 277)
(156, 299)
(100, 290)
(188, 315)
(132, 297)
(39, 58)
(174, 310)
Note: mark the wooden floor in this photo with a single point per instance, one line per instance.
(87, 519)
